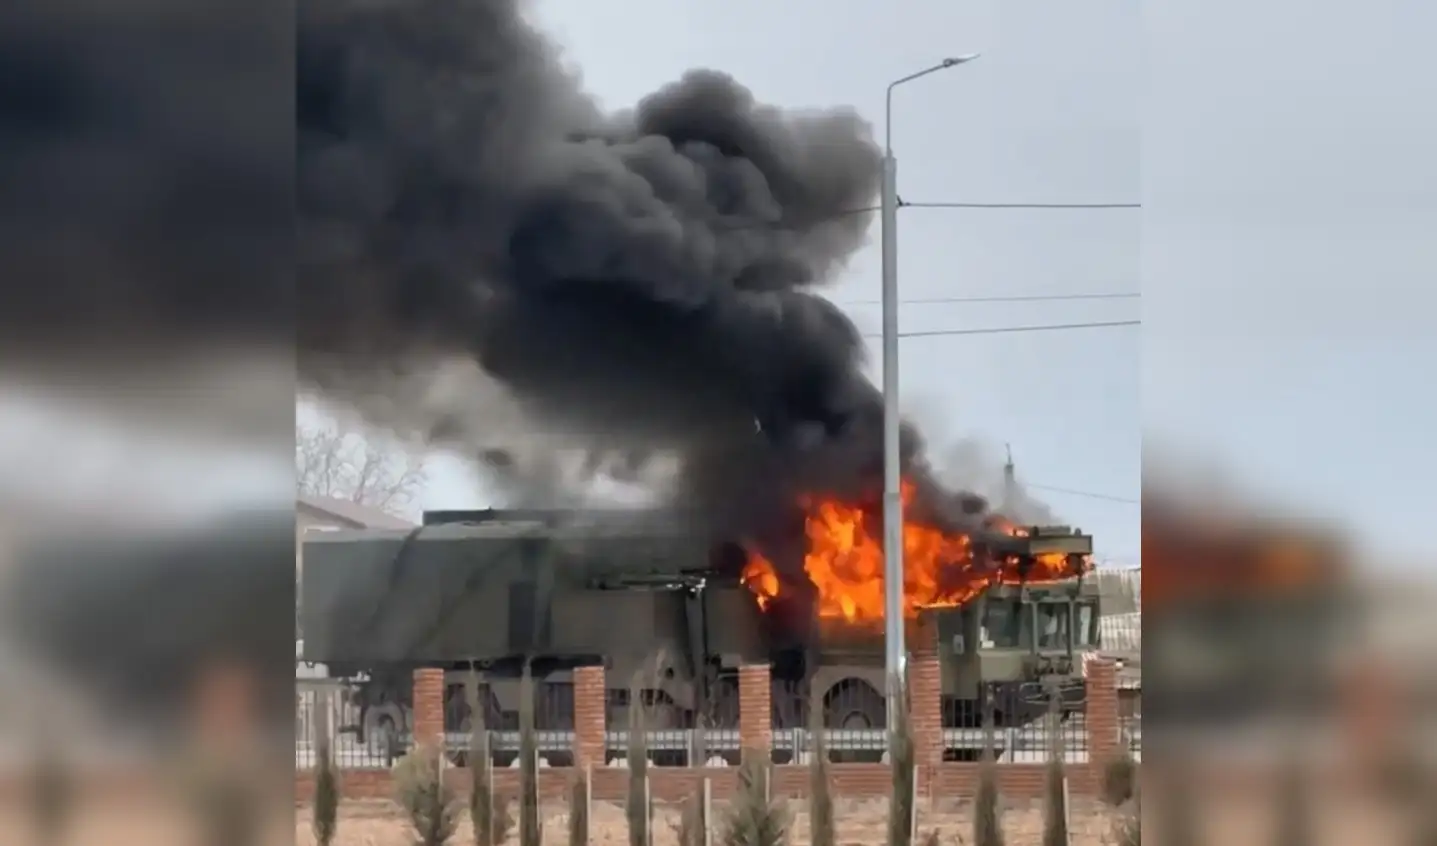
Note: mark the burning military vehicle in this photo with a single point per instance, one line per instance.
(494, 591)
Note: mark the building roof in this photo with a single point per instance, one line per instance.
(1121, 588)
(352, 514)
(1121, 632)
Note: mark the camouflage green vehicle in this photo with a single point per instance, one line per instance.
(1020, 636)
(493, 591)
(1010, 647)
(490, 592)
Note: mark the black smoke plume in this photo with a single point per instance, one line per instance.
(636, 282)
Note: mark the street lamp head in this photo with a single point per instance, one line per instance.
(944, 65)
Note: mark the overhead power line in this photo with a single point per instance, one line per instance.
(904, 204)
(1017, 298)
(1088, 494)
(794, 224)
(1003, 330)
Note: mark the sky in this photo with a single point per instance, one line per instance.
(1290, 201)
(1282, 154)
(1049, 114)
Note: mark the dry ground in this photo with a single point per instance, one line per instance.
(860, 823)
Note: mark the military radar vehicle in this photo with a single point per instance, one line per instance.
(1015, 636)
(490, 591)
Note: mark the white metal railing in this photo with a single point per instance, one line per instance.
(1015, 745)
(1026, 738)
(1019, 744)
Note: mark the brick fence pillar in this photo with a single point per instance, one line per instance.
(224, 710)
(925, 700)
(590, 708)
(755, 707)
(428, 706)
(226, 699)
(1370, 713)
(1102, 710)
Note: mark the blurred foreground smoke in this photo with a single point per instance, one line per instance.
(1289, 682)
(148, 182)
(1253, 611)
(150, 667)
(146, 420)
(135, 620)
(146, 214)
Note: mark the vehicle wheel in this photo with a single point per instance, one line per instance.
(855, 705)
(383, 729)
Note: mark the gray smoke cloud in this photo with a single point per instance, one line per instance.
(979, 465)
(633, 284)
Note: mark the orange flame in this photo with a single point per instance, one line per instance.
(844, 560)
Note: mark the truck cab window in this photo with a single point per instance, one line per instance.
(1053, 625)
(1000, 624)
(1086, 634)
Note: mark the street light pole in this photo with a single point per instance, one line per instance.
(894, 652)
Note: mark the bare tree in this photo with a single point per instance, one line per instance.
(333, 462)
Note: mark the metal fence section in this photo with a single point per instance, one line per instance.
(1027, 726)
(500, 699)
(1025, 721)
(676, 747)
(670, 733)
(1130, 732)
(854, 712)
(553, 722)
(326, 707)
(722, 747)
(555, 747)
(854, 716)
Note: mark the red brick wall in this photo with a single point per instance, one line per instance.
(756, 729)
(1372, 714)
(1016, 781)
(589, 716)
(224, 702)
(755, 707)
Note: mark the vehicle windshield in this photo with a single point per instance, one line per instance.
(1001, 623)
